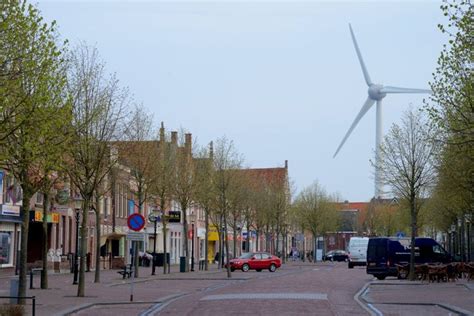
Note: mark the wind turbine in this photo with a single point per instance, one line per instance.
(376, 93)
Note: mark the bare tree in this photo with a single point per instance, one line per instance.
(204, 193)
(184, 185)
(408, 156)
(226, 164)
(163, 184)
(98, 109)
(138, 149)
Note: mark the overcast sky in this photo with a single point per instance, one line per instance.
(280, 79)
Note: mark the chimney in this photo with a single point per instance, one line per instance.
(286, 164)
(187, 142)
(162, 132)
(174, 138)
(211, 150)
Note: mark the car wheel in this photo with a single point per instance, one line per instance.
(272, 268)
(232, 269)
(258, 270)
(350, 265)
(245, 267)
(380, 277)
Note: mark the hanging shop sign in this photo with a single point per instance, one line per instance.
(37, 216)
(174, 217)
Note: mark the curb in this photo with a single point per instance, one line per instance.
(374, 312)
(364, 306)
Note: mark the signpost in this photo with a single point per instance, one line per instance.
(135, 222)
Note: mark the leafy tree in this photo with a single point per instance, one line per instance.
(98, 109)
(408, 157)
(317, 210)
(451, 108)
(33, 107)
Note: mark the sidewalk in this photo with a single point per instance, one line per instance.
(401, 297)
(60, 298)
(390, 297)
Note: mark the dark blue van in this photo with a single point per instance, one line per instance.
(384, 252)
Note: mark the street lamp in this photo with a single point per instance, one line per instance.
(78, 205)
(154, 219)
(192, 242)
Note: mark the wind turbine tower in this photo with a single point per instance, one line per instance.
(376, 93)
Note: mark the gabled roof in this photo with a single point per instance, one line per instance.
(271, 176)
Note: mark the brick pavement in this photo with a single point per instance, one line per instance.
(181, 293)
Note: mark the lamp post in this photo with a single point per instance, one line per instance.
(78, 204)
(154, 219)
(192, 245)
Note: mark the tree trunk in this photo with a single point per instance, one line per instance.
(165, 262)
(97, 243)
(185, 238)
(229, 274)
(234, 243)
(257, 237)
(206, 241)
(44, 272)
(25, 216)
(247, 244)
(82, 251)
(411, 275)
(221, 244)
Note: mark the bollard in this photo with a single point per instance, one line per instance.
(33, 307)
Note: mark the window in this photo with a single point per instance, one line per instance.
(266, 256)
(438, 249)
(13, 193)
(5, 247)
(106, 207)
(39, 198)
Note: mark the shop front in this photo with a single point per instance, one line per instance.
(10, 226)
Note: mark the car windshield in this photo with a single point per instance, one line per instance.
(246, 255)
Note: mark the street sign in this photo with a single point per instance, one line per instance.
(135, 236)
(136, 222)
(400, 234)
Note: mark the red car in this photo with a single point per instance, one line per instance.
(255, 261)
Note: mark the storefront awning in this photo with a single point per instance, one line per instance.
(110, 236)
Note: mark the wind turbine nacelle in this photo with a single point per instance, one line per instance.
(375, 92)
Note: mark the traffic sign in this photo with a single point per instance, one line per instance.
(136, 222)
(135, 236)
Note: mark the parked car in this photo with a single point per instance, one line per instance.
(255, 261)
(384, 253)
(357, 251)
(336, 255)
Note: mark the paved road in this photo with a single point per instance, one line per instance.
(295, 289)
(325, 289)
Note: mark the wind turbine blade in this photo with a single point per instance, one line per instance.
(362, 64)
(368, 103)
(389, 89)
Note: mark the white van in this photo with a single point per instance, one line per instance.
(357, 251)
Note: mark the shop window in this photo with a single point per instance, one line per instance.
(5, 247)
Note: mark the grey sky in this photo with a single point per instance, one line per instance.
(281, 79)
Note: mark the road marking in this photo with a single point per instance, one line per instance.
(376, 311)
(266, 296)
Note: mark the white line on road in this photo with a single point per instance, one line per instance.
(266, 296)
